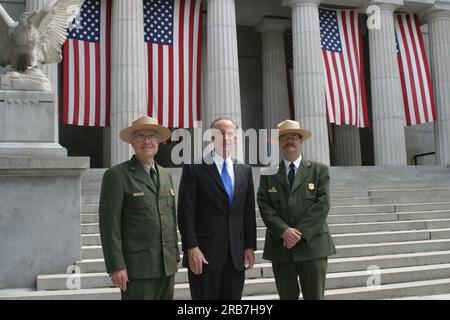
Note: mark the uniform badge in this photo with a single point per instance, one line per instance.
(311, 186)
(172, 192)
(273, 190)
(138, 194)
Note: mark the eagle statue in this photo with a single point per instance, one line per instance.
(35, 39)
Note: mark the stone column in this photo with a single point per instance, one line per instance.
(128, 92)
(387, 102)
(204, 104)
(439, 32)
(223, 95)
(346, 146)
(275, 92)
(309, 85)
(51, 70)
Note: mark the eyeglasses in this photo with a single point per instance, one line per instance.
(294, 137)
(141, 138)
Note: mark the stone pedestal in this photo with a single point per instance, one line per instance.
(39, 192)
(27, 125)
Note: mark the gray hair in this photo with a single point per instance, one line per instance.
(212, 126)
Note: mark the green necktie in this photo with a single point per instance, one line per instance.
(154, 177)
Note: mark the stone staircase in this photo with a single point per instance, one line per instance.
(388, 223)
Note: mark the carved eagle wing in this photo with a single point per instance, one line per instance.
(52, 23)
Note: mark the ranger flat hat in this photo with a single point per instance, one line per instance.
(142, 123)
(290, 126)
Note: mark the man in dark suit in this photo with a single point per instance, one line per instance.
(137, 218)
(216, 218)
(294, 205)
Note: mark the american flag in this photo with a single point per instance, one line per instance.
(341, 41)
(87, 65)
(418, 98)
(173, 33)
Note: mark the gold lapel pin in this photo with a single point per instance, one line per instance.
(311, 186)
(172, 192)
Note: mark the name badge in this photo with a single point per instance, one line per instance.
(138, 194)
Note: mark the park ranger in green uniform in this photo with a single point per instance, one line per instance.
(294, 204)
(138, 218)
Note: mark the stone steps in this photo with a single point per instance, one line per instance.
(386, 291)
(395, 218)
(256, 282)
(91, 235)
(335, 264)
(342, 280)
(350, 250)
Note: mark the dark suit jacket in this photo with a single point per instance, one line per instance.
(305, 208)
(137, 222)
(206, 220)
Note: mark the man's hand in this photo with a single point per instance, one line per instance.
(120, 278)
(291, 237)
(196, 260)
(249, 258)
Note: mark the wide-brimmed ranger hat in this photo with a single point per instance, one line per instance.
(290, 126)
(142, 123)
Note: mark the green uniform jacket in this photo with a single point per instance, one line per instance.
(137, 223)
(305, 208)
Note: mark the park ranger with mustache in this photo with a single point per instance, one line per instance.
(294, 204)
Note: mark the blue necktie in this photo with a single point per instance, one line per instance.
(227, 181)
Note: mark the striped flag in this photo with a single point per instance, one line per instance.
(87, 66)
(415, 75)
(341, 42)
(173, 32)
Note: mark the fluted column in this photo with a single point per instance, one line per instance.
(439, 32)
(223, 95)
(387, 103)
(346, 146)
(51, 70)
(128, 94)
(309, 90)
(275, 92)
(204, 104)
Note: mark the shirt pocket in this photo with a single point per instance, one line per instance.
(136, 202)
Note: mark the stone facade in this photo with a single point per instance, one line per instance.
(248, 40)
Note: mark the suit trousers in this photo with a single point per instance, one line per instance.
(226, 283)
(311, 274)
(150, 289)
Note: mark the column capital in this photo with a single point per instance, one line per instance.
(273, 24)
(440, 9)
(386, 5)
(295, 3)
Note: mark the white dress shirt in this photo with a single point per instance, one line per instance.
(218, 160)
(296, 164)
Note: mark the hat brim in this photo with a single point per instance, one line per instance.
(125, 134)
(303, 132)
